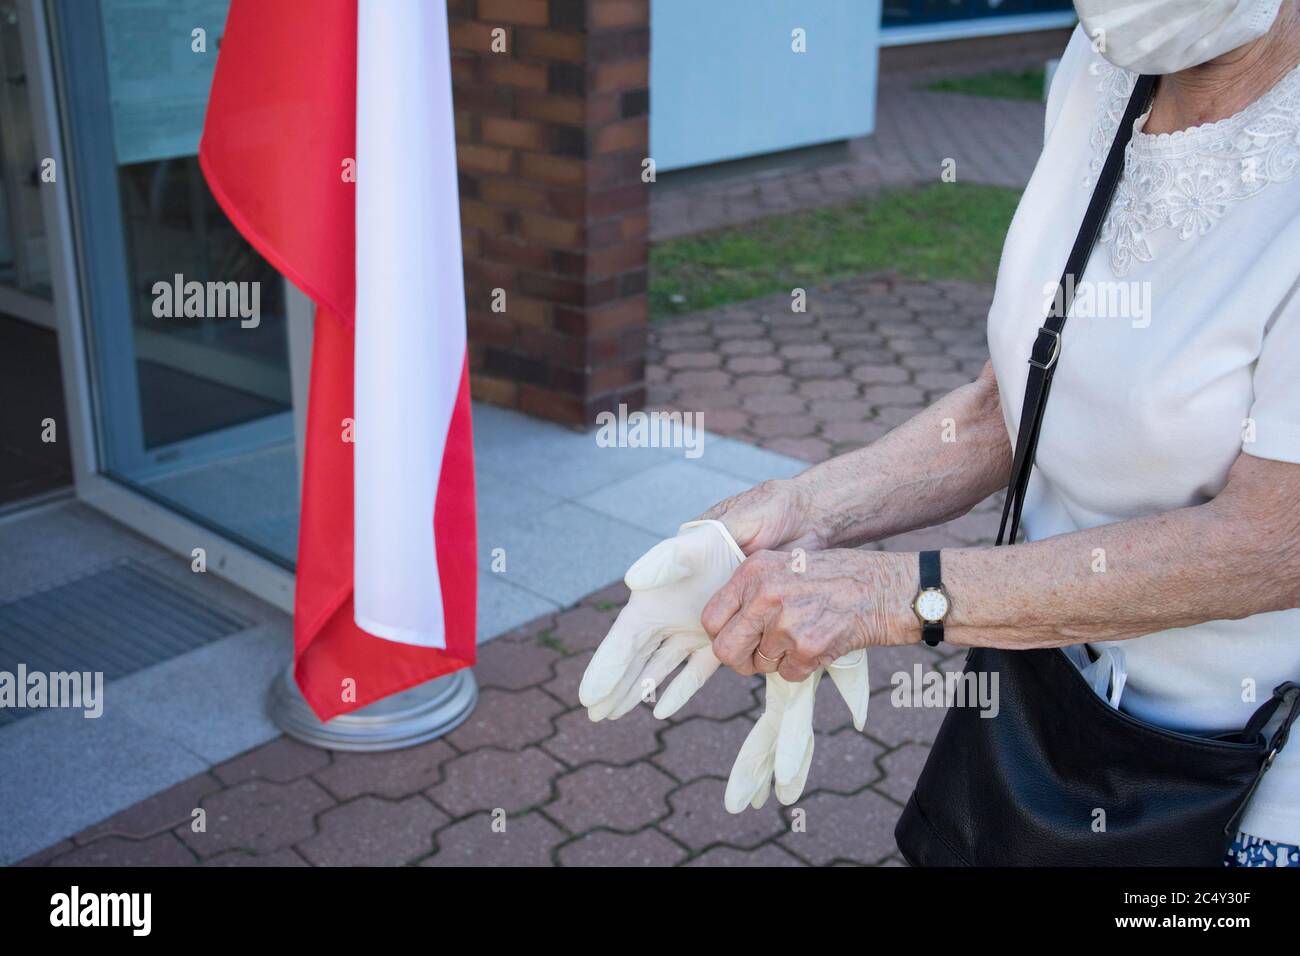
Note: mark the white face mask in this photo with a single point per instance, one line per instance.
(1165, 36)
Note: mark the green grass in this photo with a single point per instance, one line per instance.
(548, 639)
(943, 231)
(1002, 84)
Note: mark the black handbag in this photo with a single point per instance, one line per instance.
(1059, 777)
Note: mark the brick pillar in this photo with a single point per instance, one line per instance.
(551, 136)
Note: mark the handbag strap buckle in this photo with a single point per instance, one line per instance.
(1056, 349)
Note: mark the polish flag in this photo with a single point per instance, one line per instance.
(329, 142)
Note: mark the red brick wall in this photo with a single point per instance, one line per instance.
(551, 136)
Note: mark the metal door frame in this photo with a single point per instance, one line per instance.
(225, 557)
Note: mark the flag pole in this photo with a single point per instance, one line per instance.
(412, 717)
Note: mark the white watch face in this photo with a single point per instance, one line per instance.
(931, 605)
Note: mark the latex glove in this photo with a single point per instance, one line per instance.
(853, 681)
(780, 746)
(659, 629)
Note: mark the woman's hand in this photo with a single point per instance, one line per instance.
(776, 515)
(795, 613)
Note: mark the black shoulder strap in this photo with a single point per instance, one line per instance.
(1047, 347)
(1287, 694)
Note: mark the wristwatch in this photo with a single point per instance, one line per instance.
(931, 604)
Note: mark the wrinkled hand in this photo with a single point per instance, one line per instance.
(792, 614)
(780, 746)
(659, 628)
(773, 515)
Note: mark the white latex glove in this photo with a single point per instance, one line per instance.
(780, 746)
(660, 626)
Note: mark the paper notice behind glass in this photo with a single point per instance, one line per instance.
(157, 80)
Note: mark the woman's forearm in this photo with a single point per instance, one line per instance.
(932, 468)
(1229, 558)
(1235, 556)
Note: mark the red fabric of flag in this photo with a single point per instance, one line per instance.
(280, 126)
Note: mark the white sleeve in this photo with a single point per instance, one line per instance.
(1275, 413)
(1074, 63)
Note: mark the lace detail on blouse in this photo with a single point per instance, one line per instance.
(1186, 181)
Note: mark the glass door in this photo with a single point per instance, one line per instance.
(32, 465)
(187, 323)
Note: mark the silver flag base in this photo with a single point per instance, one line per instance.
(403, 720)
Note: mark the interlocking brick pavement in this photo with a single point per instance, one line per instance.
(885, 349)
(565, 801)
(370, 831)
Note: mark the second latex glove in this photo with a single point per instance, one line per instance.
(660, 626)
(779, 748)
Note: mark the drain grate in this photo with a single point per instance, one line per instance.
(117, 619)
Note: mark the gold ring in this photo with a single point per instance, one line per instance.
(766, 658)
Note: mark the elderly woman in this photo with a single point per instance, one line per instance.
(1164, 509)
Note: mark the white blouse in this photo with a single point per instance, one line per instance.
(1182, 352)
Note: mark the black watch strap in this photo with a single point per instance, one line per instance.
(930, 577)
(931, 631)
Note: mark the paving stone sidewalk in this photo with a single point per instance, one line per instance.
(867, 355)
(632, 792)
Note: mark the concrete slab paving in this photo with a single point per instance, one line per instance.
(503, 605)
(749, 462)
(565, 552)
(47, 545)
(64, 772)
(659, 499)
(212, 701)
